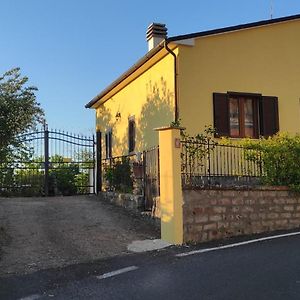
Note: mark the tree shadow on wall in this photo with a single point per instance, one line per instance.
(105, 121)
(104, 118)
(158, 111)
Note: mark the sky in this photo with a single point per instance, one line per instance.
(72, 49)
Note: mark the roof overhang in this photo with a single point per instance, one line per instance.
(127, 76)
(159, 51)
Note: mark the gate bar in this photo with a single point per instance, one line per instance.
(46, 150)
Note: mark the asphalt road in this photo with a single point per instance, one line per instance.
(264, 270)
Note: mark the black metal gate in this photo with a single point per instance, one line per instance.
(151, 177)
(50, 162)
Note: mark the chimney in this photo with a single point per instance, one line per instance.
(156, 33)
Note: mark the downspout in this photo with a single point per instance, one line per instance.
(175, 81)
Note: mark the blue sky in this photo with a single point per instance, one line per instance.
(72, 49)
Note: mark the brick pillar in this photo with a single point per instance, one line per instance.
(171, 200)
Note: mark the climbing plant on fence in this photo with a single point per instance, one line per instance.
(196, 149)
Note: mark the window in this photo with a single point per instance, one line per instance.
(131, 134)
(245, 115)
(108, 144)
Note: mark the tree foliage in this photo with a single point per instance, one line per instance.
(19, 110)
(279, 158)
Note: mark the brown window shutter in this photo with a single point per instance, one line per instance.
(269, 119)
(221, 114)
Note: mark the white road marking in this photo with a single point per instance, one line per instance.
(237, 244)
(117, 272)
(31, 297)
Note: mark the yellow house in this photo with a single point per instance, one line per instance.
(244, 80)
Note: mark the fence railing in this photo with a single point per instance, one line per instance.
(136, 173)
(213, 164)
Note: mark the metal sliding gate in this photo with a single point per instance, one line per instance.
(48, 163)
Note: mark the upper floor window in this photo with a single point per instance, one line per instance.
(245, 115)
(131, 134)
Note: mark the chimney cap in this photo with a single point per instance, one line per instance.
(157, 30)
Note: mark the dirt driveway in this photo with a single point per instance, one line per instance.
(40, 233)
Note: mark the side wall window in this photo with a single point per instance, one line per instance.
(245, 115)
(131, 134)
(108, 144)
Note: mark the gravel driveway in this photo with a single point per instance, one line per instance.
(40, 233)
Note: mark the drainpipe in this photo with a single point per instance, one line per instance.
(175, 80)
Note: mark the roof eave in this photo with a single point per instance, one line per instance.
(131, 70)
(151, 53)
(233, 28)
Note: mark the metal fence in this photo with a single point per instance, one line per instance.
(213, 164)
(137, 173)
(117, 173)
(49, 162)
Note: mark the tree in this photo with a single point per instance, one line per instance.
(19, 111)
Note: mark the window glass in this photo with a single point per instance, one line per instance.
(131, 135)
(234, 117)
(248, 117)
(108, 144)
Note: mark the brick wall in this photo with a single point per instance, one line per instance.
(220, 213)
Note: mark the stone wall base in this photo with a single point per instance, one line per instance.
(221, 213)
(133, 203)
(129, 201)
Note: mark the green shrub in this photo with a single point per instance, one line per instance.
(82, 183)
(119, 176)
(62, 179)
(279, 158)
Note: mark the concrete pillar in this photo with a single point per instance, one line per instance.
(171, 200)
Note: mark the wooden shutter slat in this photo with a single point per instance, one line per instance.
(221, 114)
(269, 118)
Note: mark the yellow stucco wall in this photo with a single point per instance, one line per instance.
(262, 60)
(149, 98)
(170, 186)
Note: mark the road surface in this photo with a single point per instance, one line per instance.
(263, 270)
